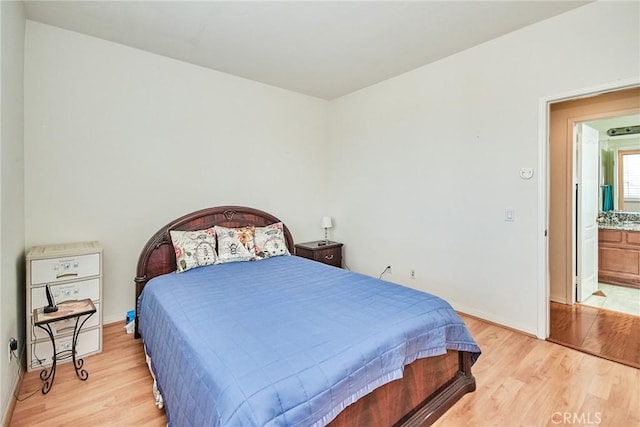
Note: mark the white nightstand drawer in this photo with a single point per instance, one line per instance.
(53, 270)
(67, 292)
(88, 343)
(66, 326)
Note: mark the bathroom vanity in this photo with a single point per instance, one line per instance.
(619, 256)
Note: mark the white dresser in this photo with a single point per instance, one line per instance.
(73, 271)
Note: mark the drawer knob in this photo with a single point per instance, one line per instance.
(328, 256)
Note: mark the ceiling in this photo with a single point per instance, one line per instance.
(321, 48)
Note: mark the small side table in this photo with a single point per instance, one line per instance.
(326, 252)
(66, 310)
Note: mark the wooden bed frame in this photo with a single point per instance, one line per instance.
(429, 387)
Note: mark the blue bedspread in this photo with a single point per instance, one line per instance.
(284, 341)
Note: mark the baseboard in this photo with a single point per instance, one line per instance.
(17, 383)
(500, 325)
(559, 301)
(494, 320)
(114, 318)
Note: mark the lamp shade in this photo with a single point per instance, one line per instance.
(326, 222)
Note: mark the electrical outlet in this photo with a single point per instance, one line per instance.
(13, 346)
(387, 269)
(412, 274)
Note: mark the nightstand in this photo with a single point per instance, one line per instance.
(327, 253)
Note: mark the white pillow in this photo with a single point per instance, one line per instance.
(270, 241)
(194, 248)
(235, 244)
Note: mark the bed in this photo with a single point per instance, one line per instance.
(288, 341)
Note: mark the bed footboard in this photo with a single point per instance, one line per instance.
(429, 387)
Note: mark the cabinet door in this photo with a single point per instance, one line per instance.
(619, 261)
(633, 238)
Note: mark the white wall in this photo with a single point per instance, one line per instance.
(434, 152)
(118, 142)
(11, 196)
(425, 164)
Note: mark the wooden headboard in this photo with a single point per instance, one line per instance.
(158, 257)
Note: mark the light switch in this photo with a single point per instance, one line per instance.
(508, 214)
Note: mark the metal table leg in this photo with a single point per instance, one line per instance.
(47, 375)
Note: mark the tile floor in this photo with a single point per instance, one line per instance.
(618, 298)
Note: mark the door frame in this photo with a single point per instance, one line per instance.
(544, 107)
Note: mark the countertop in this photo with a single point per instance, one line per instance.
(627, 226)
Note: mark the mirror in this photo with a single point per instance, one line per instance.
(619, 174)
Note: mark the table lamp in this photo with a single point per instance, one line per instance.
(326, 224)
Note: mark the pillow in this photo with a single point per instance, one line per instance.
(235, 244)
(270, 241)
(194, 248)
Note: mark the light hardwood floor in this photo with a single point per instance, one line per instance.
(522, 381)
(117, 393)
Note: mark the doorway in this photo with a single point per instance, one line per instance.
(562, 225)
(607, 180)
(566, 263)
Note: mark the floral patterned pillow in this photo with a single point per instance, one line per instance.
(235, 244)
(270, 241)
(194, 248)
